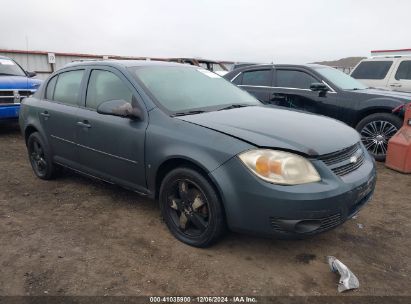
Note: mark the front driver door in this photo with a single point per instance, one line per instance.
(292, 90)
(111, 147)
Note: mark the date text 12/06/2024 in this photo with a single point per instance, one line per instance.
(233, 299)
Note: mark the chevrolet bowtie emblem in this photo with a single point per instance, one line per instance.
(355, 157)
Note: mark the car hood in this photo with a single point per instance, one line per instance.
(18, 83)
(387, 93)
(272, 127)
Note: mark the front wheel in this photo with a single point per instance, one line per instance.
(376, 130)
(191, 207)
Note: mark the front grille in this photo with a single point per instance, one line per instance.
(344, 161)
(326, 223)
(7, 93)
(350, 167)
(25, 93)
(6, 99)
(11, 96)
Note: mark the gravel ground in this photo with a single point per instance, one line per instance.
(76, 236)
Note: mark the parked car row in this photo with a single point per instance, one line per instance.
(327, 91)
(212, 154)
(15, 84)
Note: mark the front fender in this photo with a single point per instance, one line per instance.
(388, 103)
(376, 105)
(169, 138)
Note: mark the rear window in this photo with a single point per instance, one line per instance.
(371, 70)
(404, 70)
(68, 87)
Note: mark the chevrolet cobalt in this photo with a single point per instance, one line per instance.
(210, 153)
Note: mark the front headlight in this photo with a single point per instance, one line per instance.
(280, 167)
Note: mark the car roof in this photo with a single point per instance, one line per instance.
(282, 65)
(125, 63)
(307, 65)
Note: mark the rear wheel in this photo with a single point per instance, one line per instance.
(376, 130)
(191, 207)
(40, 158)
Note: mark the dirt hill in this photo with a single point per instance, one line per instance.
(348, 62)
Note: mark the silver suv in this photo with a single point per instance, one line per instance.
(393, 73)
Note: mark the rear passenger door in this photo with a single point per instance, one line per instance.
(257, 82)
(401, 80)
(111, 147)
(58, 116)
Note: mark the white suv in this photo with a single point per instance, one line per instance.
(393, 73)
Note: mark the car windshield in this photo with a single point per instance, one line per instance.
(340, 79)
(183, 89)
(9, 68)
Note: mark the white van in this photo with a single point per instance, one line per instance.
(392, 72)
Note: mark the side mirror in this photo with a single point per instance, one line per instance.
(319, 87)
(31, 74)
(120, 108)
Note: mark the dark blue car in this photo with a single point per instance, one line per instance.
(212, 154)
(15, 84)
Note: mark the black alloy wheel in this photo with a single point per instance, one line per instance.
(191, 207)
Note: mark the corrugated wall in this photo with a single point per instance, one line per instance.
(39, 62)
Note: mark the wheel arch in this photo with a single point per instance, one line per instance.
(30, 129)
(173, 163)
(369, 111)
(176, 162)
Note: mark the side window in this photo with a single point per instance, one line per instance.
(404, 70)
(104, 86)
(371, 70)
(68, 87)
(50, 88)
(257, 78)
(294, 79)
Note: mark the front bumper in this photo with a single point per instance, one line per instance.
(255, 206)
(9, 112)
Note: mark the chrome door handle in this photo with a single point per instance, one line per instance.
(396, 85)
(45, 114)
(83, 124)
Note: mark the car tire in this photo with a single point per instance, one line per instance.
(376, 130)
(40, 157)
(191, 207)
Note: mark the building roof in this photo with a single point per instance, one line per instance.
(126, 63)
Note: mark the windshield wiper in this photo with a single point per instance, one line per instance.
(188, 113)
(234, 106)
